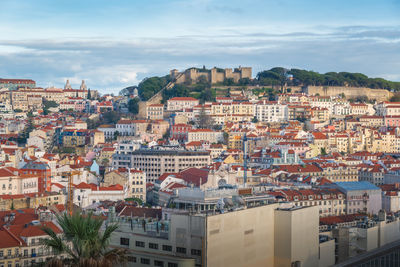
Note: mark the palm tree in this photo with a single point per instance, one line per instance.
(82, 243)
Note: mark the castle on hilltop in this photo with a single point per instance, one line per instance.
(213, 76)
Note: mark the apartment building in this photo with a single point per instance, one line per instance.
(180, 132)
(299, 112)
(374, 174)
(134, 182)
(270, 111)
(331, 202)
(20, 238)
(14, 84)
(205, 135)
(339, 172)
(155, 112)
(87, 194)
(258, 236)
(388, 109)
(181, 103)
(75, 138)
(360, 196)
(358, 108)
(156, 161)
(13, 182)
(108, 130)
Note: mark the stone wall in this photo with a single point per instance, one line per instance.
(213, 76)
(349, 92)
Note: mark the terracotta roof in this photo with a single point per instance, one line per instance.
(183, 99)
(7, 240)
(340, 219)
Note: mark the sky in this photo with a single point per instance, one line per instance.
(115, 44)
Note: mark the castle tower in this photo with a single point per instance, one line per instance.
(213, 75)
(67, 85)
(83, 86)
(173, 73)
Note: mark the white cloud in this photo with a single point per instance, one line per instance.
(109, 64)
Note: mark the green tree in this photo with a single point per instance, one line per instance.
(206, 95)
(133, 106)
(135, 199)
(111, 117)
(89, 94)
(150, 86)
(116, 134)
(228, 82)
(83, 241)
(27, 130)
(323, 151)
(105, 161)
(205, 120)
(47, 105)
(178, 90)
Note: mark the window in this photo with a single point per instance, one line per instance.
(167, 248)
(145, 261)
(153, 245)
(124, 241)
(131, 259)
(140, 244)
(171, 264)
(196, 252)
(181, 250)
(1, 253)
(158, 263)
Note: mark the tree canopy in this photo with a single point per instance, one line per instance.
(299, 77)
(83, 241)
(150, 86)
(133, 105)
(111, 117)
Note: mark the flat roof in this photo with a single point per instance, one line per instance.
(361, 185)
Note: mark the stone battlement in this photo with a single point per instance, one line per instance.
(213, 76)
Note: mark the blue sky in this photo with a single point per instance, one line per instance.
(114, 44)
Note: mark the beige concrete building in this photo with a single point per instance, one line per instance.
(134, 182)
(296, 232)
(155, 162)
(205, 135)
(155, 112)
(181, 103)
(258, 236)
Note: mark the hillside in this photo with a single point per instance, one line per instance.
(269, 78)
(298, 77)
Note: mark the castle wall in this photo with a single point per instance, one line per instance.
(220, 77)
(245, 72)
(192, 75)
(349, 92)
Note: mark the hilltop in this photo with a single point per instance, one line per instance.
(203, 87)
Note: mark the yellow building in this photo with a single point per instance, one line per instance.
(155, 112)
(98, 137)
(74, 138)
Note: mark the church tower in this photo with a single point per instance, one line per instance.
(67, 85)
(83, 86)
